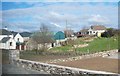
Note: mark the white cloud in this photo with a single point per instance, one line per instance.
(98, 19)
(76, 14)
(56, 24)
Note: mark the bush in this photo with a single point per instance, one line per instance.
(105, 34)
(108, 33)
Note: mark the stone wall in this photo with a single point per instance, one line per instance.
(13, 54)
(102, 54)
(54, 69)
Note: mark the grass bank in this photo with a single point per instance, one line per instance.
(98, 44)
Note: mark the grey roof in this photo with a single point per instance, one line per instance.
(5, 39)
(5, 32)
(25, 34)
(14, 33)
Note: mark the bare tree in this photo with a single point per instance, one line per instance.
(43, 36)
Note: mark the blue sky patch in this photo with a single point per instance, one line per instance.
(55, 14)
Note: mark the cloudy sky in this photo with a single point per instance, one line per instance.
(28, 16)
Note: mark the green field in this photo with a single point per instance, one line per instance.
(98, 44)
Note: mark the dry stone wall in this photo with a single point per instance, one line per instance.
(55, 69)
(102, 54)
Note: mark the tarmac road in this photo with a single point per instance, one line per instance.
(13, 69)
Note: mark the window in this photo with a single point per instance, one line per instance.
(90, 31)
(18, 39)
(10, 43)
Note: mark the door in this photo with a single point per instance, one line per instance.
(22, 47)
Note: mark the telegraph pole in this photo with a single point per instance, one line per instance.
(66, 29)
(66, 24)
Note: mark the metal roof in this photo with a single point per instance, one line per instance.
(5, 32)
(25, 34)
(59, 35)
(5, 39)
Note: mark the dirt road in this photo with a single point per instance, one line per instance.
(98, 63)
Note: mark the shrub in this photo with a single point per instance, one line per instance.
(108, 33)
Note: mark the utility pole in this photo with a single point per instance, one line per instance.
(66, 29)
(66, 25)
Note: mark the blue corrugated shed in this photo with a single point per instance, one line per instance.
(59, 35)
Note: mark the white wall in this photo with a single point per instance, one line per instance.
(89, 31)
(2, 45)
(100, 31)
(95, 31)
(20, 38)
(7, 44)
(13, 44)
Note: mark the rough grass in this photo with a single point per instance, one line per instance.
(69, 46)
(62, 48)
(79, 41)
(98, 44)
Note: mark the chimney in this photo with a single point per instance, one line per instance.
(6, 28)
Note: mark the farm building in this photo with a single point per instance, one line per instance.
(60, 38)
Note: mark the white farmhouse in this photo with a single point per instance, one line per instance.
(19, 41)
(98, 29)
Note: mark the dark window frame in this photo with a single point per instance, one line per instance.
(10, 43)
